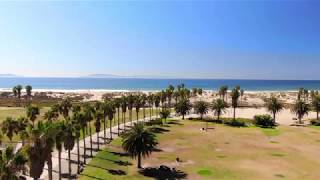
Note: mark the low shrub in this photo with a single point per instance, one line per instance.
(236, 123)
(265, 121)
(154, 122)
(315, 122)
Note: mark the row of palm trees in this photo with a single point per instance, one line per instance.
(66, 123)
(17, 91)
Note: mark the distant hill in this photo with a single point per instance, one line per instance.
(104, 76)
(8, 75)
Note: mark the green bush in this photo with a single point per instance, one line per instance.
(265, 121)
(154, 122)
(236, 123)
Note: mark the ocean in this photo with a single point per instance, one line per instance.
(155, 84)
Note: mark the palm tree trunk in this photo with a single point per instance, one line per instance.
(234, 113)
(274, 117)
(84, 147)
(139, 161)
(69, 162)
(183, 116)
(118, 121)
(317, 115)
(104, 130)
(98, 141)
(110, 129)
(124, 121)
(49, 162)
(78, 149)
(131, 116)
(144, 114)
(59, 162)
(137, 116)
(90, 140)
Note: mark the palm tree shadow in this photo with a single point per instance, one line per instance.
(117, 172)
(67, 176)
(119, 154)
(158, 130)
(163, 173)
(175, 122)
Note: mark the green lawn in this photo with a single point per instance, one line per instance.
(221, 153)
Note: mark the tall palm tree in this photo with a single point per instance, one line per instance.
(88, 115)
(274, 106)
(111, 112)
(105, 115)
(15, 91)
(169, 92)
(300, 108)
(163, 98)
(223, 92)
(151, 103)
(83, 126)
(98, 116)
(65, 107)
(183, 107)
(138, 105)
(143, 103)
(28, 91)
(59, 139)
(139, 142)
(241, 93)
(157, 100)
(130, 101)
(201, 107)
(9, 127)
(219, 107)
(11, 164)
(69, 141)
(316, 104)
(40, 148)
(77, 120)
(32, 113)
(124, 110)
(117, 105)
(234, 103)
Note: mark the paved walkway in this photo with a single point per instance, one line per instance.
(74, 152)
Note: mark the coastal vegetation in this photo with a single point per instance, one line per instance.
(138, 118)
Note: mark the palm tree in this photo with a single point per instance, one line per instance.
(183, 107)
(143, 104)
(77, 120)
(117, 105)
(124, 110)
(223, 92)
(219, 107)
(40, 148)
(300, 108)
(15, 91)
(59, 139)
(28, 91)
(164, 114)
(316, 104)
(201, 107)
(111, 112)
(169, 92)
(88, 115)
(234, 103)
(241, 93)
(151, 103)
(163, 98)
(139, 142)
(157, 99)
(105, 114)
(130, 101)
(98, 116)
(69, 140)
(32, 113)
(274, 106)
(137, 105)
(51, 115)
(65, 107)
(83, 126)
(22, 124)
(9, 127)
(11, 164)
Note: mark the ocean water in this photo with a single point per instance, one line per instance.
(156, 84)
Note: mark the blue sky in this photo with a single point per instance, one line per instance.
(217, 39)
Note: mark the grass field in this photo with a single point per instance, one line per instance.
(221, 153)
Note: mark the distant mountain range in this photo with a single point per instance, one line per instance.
(8, 75)
(105, 76)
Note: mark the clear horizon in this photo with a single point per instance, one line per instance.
(200, 40)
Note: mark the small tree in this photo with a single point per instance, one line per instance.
(164, 114)
(274, 106)
(300, 108)
(235, 97)
(139, 142)
(219, 106)
(264, 121)
(183, 107)
(201, 107)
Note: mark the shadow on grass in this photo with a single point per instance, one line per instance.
(68, 176)
(163, 173)
(91, 177)
(158, 130)
(117, 172)
(174, 122)
(120, 154)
